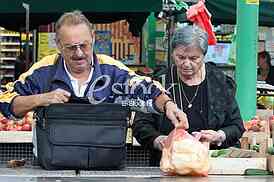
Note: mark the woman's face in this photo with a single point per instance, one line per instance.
(262, 62)
(188, 59)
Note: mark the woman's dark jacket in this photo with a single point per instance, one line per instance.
(223, 113)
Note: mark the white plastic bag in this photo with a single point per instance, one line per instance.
(184, 154)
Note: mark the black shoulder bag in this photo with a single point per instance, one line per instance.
(80, 135)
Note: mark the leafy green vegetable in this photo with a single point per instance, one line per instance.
(270, 150)
(256, 172)
(220, 153)
(255, 147)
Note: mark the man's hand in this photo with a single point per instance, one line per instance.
(23, 104)
(177, 116)
(56, 96)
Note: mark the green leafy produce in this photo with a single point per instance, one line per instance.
(220, 153)
(255, 147)
(270, 150)
(256, 172)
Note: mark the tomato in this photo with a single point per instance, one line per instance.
(4, 120)
(26, 127)
(11, 128)
(10, 123)
(20, 122)
(18, 127)
(2, 126)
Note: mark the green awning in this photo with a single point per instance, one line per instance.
(104, 11)
(224, 12)
(98, 11)
(57, 6)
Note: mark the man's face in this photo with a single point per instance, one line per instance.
(76, 46)
(188, 60)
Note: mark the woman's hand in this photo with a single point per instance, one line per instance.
(176, 115)
(158, 142)
(211, 136)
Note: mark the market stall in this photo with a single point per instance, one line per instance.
(18, 144)
(129, 175)
(143, 173)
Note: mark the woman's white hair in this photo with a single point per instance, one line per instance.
(190, 35)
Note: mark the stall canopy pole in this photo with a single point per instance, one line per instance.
(151, 40)
(246, 56)
(27, 7)
(169, 34)
(169, 6)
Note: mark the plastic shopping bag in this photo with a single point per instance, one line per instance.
(184, 154)
(199, 15)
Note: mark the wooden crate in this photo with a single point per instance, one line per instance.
(15, 137)
(251, 138)
(270, 163)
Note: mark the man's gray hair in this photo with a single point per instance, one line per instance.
(71, 18)
(190, 35)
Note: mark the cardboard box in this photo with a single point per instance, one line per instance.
(235, 166)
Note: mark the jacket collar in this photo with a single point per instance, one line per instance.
(61, 75)
(60, 72)
(97, 70)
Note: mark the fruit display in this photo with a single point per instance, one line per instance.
(24, 124)
(256, 124)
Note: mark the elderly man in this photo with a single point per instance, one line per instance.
(78, 72)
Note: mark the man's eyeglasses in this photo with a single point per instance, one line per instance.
(72, 48)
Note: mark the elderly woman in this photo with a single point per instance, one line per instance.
(202, 91)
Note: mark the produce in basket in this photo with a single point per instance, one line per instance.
(255, 124)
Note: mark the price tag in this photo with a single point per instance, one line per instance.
(129, 129)
(252, 2)
(129, 136)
